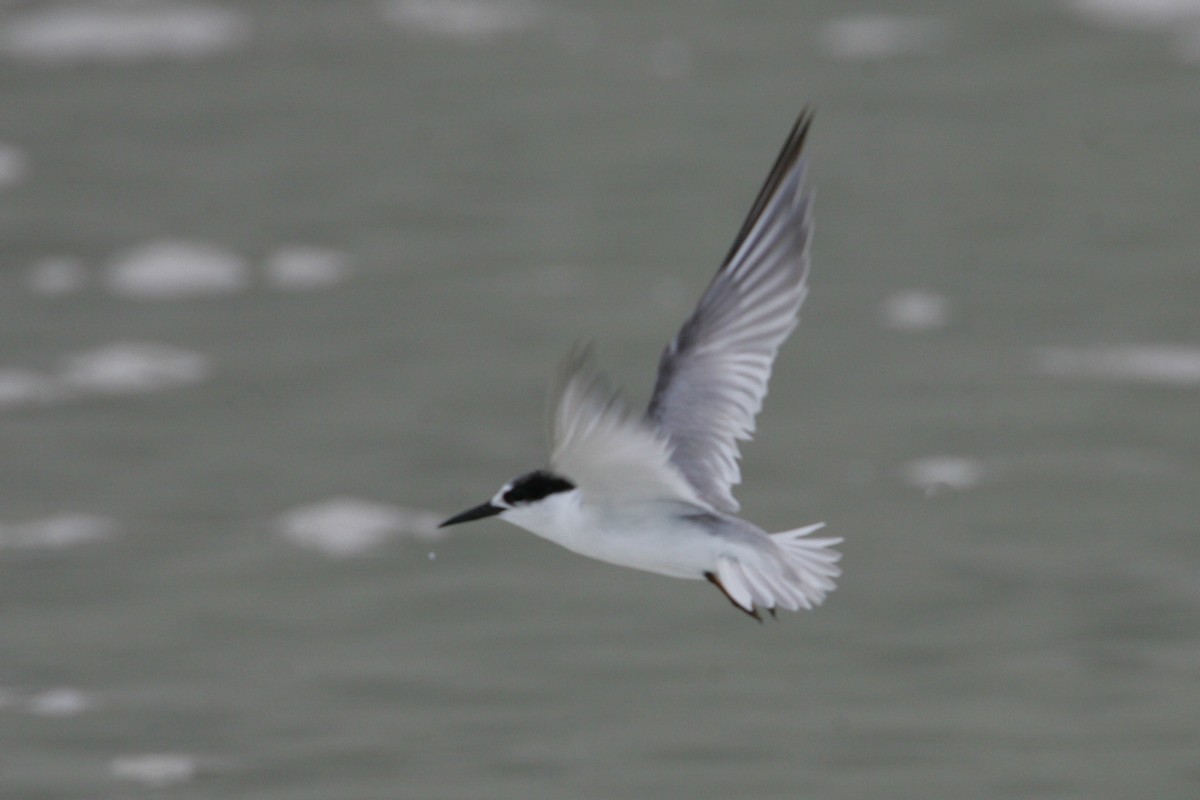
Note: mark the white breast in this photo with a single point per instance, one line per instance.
(651, 536)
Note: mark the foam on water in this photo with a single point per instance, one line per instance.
(14, 165)
(1177, 20)
(56, 532)
(915, 310)
(300, 267)
(1176, 365)
(62, 701)
(133, 368)
(175, 269)
(348, 526)
(933, 473)
(117, 369)
(873, 37)
(463, 19)
(1137, 14)
(155, 769)
(22, 387)
(61, 33)
(56, 275)
(170, 269)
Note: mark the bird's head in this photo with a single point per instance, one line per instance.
(532, 494)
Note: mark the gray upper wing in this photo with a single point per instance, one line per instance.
(713, 376)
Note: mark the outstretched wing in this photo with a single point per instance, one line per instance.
(608, 453)
(713, 376)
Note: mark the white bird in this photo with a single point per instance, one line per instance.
(654, 491)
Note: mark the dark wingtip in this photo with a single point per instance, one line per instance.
(789, 154)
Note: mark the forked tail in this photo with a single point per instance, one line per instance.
(814, 560)
(800, 578)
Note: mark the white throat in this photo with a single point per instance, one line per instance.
(558, 517)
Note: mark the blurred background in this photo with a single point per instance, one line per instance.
(282, 284)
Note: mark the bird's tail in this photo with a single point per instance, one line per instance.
(799, 576)
(813, 562)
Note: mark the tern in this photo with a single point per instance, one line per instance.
(654, 491)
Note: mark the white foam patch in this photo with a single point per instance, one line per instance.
(873, 37)
(934, 473)
(56, 532)
(155, 769)
(1148, 15)
(347, 526)
(302, 267)
(171, 269)
(916, 310)
(463, 19)
(1175, 365)
(56, 275)
(1177, 20)
(14, 165)
(117, 369)
(60, 702)
(22, 387)
(62, 33)
(133, 368)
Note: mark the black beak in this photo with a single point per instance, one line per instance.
(478, 512)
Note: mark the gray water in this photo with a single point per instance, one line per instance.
(221, 455)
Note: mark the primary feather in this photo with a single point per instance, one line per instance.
(713, 376)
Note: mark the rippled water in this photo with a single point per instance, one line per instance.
(283, 284)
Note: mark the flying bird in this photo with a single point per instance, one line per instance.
(654, 491)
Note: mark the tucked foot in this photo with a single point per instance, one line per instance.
(712, 578)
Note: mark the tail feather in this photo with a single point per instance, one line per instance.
(814, 560)
(800, 578)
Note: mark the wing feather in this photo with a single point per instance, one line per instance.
(713, 376)
(609, 453)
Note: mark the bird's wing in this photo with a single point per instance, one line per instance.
(610, 454)
(712, 377)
